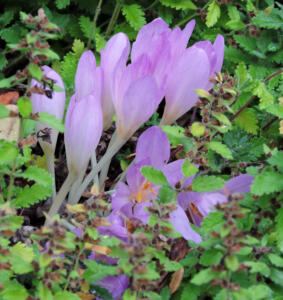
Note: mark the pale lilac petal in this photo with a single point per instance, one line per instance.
(78, 231)
(219, 46)
(240, 184)
(153, 144)
(137, 105)
(113, 59)
(134, 177)
(120, 197)
(173, 171)
(83, 131)
(209, 200)
(88, 78)
(54, 105)
(182, 225)
(116, 285)
(190, 72)
(140, 213)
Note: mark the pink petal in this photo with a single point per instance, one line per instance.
(219, 46)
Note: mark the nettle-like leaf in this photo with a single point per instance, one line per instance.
(50, 120)
(213, 14)
(265, 97)
(211, 257)
(31, 195)
(220, 149)
(207, 183)
(38, 175)
(267, 182)
(190, 292)
(276, 160)
(3, 61)
(247, 121)
(6, 18)
(62, 3)
(8, 152)
(85, 24)
(155, 176)
(96, 271)
(204, 276)
(270, 21)
(179, 4)
(134, 14)
(279, 228)
(247, 43)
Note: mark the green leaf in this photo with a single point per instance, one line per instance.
(279, 228)
(96, 271)
(31, 195)
(265, 97)
(8, 152)
(247, 121)
(47, 52)
(13, 290)
(66, 295)
(260, 291)
(204, 276)
(232, 263)
(197, 129)
(267, 182)
(213, 14)
(179, 4)
(155, 176)
(62, 3)
(276, 260)
(269, 21)
(134, 14)
(35, 71)
(4, 111)
(189, 169)
(277, 276)
(166, 194)
(258, 267)
(38, 175)
(3, 61)
(24, 107)
(86, 25)
(50, 120)
(276, 160)
(207, 183)
(245, 42)
(220, 149)
(20, 258)
(211, 257)
(190, 292)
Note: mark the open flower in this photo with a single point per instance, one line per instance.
(114, 55)
(54, 105)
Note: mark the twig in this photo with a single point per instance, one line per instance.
(272, 75)
(97, 11)
(114, 18)
(269, 123)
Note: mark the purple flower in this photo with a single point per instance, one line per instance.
(88, 79)
(83, 131)
(136, 96)
(54, 105)
(116, 285)
(113, 57)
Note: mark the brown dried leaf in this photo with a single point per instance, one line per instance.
(176, 280)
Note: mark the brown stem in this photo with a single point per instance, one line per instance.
(269, 123)
(273, 74)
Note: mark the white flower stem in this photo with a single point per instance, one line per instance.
(111, 151)
(51, 169)
(76, 185)
(94, 165)
(104, 171)
(58, 200)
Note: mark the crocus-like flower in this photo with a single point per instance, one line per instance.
(136, 96)
(113, 57)
(88, 79)
(54, 105)
(116, 285)
(83, 131)
(162, 45)
(191, 71)
(131, 199)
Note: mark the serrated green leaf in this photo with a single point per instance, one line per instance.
(3, 61)
(47, 52)
(207, 183)
(260, 291)
(166, 194)
(20, 258)
(96, 271)
(62, 3)
(204, 276)
(276, 160)
(4, 111)
(270, 21)
(50, 120)
(190, 292)
(276, 260)
(211, 257)
(31, 195)
(258, 267)
(155, 176)
(38, 175)
(189, 169)
(86, 25)
(8, 152)
(179, 4)
(35, 71)
(134, 14)
(266, 98)
(245, 42)
(220, 149)
(24, 106)
(66, 295)
(279, 228)
(247, 121)
(14, 291)
(213, 14)
(267, 182)
(232, 262)
(277, 276)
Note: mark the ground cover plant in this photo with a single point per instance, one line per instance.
(141, 150)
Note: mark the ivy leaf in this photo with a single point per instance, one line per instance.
(155, 176)
(207, 183)
(267, 182)
(134, 14)
(204, 276)
(221, 149)
(213, 14)
(38, 175)
(179, 4)
(247, 121)
(50, 120)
